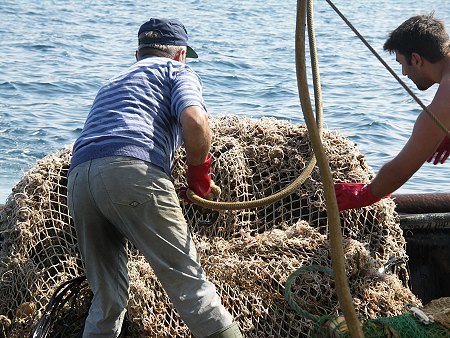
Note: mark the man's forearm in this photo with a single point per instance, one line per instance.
(196, 135)
(389, 179)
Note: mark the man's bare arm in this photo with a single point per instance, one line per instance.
(196, 134)
(424, 140)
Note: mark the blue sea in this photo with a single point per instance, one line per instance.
(56, 54)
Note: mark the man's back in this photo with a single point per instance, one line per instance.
(136, 113)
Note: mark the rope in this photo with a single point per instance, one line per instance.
(335, 232)
(62, 299)
(255, 203)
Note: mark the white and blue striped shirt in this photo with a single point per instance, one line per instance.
(137, 113)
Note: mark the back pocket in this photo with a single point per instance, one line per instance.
(127, 182)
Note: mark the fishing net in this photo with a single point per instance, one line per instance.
(248, 254)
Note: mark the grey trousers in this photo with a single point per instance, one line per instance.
(113, 199)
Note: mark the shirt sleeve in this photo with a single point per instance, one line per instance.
(187, 91)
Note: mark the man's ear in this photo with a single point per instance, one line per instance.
(180, 56)
(416, 59)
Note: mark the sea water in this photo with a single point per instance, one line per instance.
(56, 54)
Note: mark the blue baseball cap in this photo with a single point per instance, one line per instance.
(172, 32)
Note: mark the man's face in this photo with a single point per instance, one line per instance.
(414, 70)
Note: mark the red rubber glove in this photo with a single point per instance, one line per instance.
(442, 152)
(353, 195)
(198, 178)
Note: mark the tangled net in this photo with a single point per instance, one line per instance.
(248, 254)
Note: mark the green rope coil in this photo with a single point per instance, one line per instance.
(288, 286)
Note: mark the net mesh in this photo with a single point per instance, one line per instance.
(248, 254)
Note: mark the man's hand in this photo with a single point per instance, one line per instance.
(442, 152)
(353, 195)
(198, 178)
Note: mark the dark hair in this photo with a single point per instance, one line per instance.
(421, 34)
